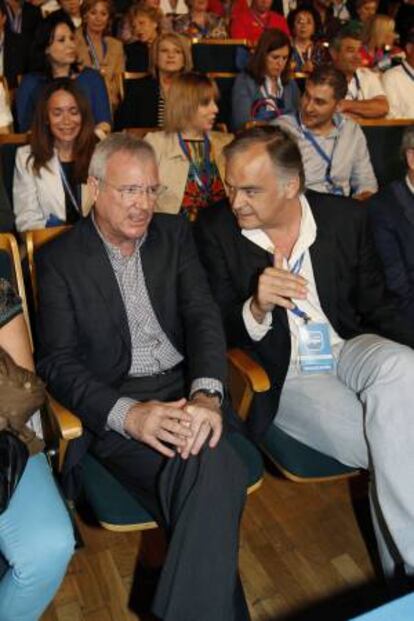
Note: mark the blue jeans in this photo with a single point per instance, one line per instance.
(36, 539)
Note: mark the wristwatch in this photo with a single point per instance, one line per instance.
(209, 392)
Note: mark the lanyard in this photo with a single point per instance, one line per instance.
(296, 310)
(92, 51)
(407, 71)
(15, 19)
(68, 189)
(322, 153)
(203, 183)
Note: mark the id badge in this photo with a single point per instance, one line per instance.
(315, 350)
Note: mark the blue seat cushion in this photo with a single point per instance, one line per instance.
(113, 504)
(299, 459)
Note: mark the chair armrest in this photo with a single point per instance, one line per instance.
(68, 425)
(251, 370)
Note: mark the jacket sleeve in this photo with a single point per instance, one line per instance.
(388, 244)
(242, 99)
(25, 102)
(60, 353)
(27, 209)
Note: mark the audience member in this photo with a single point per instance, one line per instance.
(73, 9)
(189, 154)
(98, 50)
(265, 90)
(365, 97)
(54, 54)
(49, 173)
(378, 38)
(22, 18)
(334, 149)
(144, 25)
(144, 102)
(392, 217)
(147, 381)
(201, 23)
(300, 285)
(398, 83)
(249, 22)
(329, 24)
(36, 537)
(14, 54)
(365, 10)
(303, 23)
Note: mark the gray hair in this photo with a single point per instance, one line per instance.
(407, 140)
(113, 144)
(279, 144)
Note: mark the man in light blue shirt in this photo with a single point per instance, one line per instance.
(333, 148)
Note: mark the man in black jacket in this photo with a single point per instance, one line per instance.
(300, 286)
(131, 341)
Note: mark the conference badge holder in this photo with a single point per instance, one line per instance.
(315, 349)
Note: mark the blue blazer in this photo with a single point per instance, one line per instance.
(246, 92)
(392, 218)
(90, 83)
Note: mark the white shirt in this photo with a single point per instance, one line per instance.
(180, 9)
(365, 85)
(311, 306)
(398, 85)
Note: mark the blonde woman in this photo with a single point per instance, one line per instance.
(98, 50)
(378, 43)
(144, 23)
(144, 102)
(189, 154)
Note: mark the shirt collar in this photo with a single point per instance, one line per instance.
(409, 183)
(114, 252)
(338, 121)
(306, 237)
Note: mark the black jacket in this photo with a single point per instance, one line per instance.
(348, 276)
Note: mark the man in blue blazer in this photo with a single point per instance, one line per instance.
(131, 341)
(300, 286)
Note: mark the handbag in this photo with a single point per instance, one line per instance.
(13, 459)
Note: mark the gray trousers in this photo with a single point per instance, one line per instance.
(363, 415)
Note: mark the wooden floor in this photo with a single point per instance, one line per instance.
(302, 556)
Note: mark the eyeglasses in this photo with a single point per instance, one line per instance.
(130, 192)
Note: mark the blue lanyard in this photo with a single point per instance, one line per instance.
(407, 71)
(68, 189)
(322, 153)
(14, 19)
(92, 51)
(203, 184)
(296, 310)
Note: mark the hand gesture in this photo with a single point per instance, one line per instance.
(276, 287)
(160, 424)
(206, 421)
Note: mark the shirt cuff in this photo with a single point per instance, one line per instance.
(117, 415)
(207, 383)
(255, 330)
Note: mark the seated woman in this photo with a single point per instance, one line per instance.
(54, 56)
(190, 155)
(96, 49)
(36, 537)
(264, 91)
(391, 213)
(50, 173)
(303, 23)
(378, 38)
(144, 101)
(200, 23)
(145, 26)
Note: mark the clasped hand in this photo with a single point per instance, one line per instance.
(177, 426)
(276, 287)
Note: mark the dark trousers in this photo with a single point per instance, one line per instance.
(199, 502)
